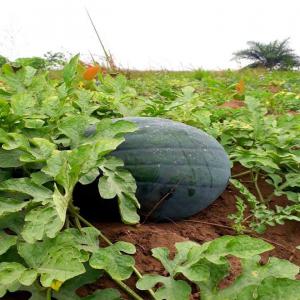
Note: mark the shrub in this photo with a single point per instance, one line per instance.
(35, 62)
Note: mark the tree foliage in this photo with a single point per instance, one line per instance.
(55, 60)
(273, 55)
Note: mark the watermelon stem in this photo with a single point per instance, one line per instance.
(241, 174)
(74, 212)
(78, 217)
(48, 295)
(261, 198)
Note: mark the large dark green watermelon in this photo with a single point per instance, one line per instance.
(179, 169)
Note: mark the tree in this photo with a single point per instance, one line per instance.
(273, 55)
(55, 60)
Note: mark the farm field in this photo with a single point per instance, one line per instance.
(49, 250)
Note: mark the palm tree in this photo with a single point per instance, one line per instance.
(276, 54)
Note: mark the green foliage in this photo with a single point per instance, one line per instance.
(3, 60)
(261, 135)
(44, 154)
(111, 259)
(45, 151)
(266, 145)
(276, 54)
(261, 215)
(207, 265)
(201, 74)
(38, 63)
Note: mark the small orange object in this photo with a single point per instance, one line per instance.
(240, 87)
(91, 72)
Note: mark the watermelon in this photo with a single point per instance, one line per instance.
(179, 169)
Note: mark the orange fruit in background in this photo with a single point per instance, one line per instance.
(91, 72)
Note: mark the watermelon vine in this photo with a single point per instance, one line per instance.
(49, 249)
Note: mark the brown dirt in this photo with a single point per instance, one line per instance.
(233, 104)
(274, 88)
(205, 226)
(292, 112)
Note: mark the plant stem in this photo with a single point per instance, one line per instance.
(86, 222)
(104, 238)
(280, 188)
(247, 218)
(257, 187)
(241, 174)
(127, 289)
(77, 222)
(107, 56)
(67, 222)
(209, 223)
(48, 295)
(139, 275)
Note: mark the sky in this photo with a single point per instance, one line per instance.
(147, 34)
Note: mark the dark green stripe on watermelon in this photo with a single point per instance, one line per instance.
(175, 162)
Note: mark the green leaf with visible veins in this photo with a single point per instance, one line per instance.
(13, 221)
(40, 177)
(26, 186)
(117, 265)
(110, 128)
(66, 166)
(10, 159)
(162, 254)
(39, 150)
(61, 203)
(86, 239)
(89, 177)
(13, 275)
(14, 141)
(68, 289)
(70, 70)
(117, 181)
(9, 205)
(279, 289)
(33, 123)
(40, 222)
(28, 73)
(242, 246)
(54, 259)
(254, 273)
(6, 241)
(74, 127)
(23, 104)
(171, 290)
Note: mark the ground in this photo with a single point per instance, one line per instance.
(216, 97)
(205, 226)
